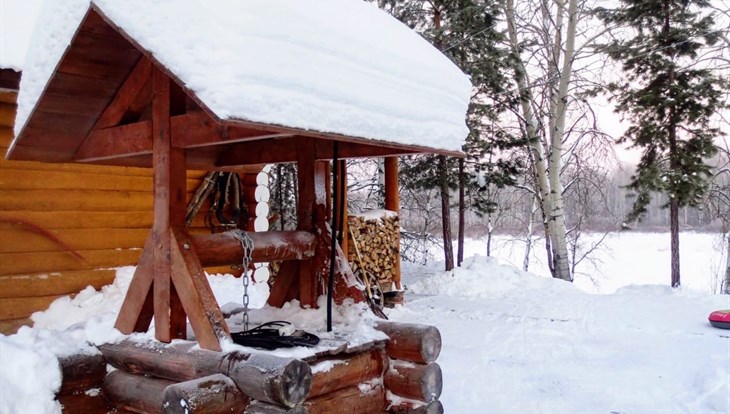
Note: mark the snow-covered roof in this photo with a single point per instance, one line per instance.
(334, 66)
(17, 19)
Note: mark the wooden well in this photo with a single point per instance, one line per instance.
(109, 101)
(397, 375)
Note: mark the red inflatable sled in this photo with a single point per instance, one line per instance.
(720, 319)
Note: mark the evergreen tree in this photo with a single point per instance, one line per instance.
(668, 99)
(465, 31)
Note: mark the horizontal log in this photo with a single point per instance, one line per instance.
(268, 378)
(82, 219)
(411, 342)
(33, 262)
(16, 308)
(263, 377)
(207, 395)
(257, 407)
(351, 400)
(81, 372)
(136, 393)
(415, 407)
(77, 200)
(54, 220)
(421, 382)
(18, 179)
(334, 374)
(86, 168)
(7, 113)
(51, 284)
(22, 238)
(225, 248)
(84, 402)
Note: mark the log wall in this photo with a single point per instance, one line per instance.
(64, 226)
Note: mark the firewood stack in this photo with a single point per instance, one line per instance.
(377, 235)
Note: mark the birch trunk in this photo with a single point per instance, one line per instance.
(726, 284)
(547, 173)
(561, 261)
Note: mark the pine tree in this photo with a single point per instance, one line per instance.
(669, 100)
(466, 32)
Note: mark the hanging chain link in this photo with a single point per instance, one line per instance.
(247, 247)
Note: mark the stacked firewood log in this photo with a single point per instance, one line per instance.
(377, 239)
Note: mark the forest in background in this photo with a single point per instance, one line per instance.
(560, 88)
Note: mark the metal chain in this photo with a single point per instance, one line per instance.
(247, 247)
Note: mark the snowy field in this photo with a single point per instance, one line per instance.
(513, 342)
(622, 259)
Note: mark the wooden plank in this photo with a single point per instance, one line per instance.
(53, 220)
(9, 79)
(11, 326)
(16, 308)
(125, 140)
(77, 200)
(87, 168)
(392, 203)
(164, 161)
(8, 96)
(99, 54)
(18, 263)
(136, 311)
(134, 94)
(11, 179)
(196, 295)
(54, 283)
(16, 239)
(7, 114)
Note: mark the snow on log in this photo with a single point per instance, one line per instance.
(207, 395)
(268, 378)
(135, 393)
(225, 248)
(258, 407)
(81, 372)
(421, 382)
(334, 374)
(411, 342)
(415, 407)
(277, 380)
(362, 399)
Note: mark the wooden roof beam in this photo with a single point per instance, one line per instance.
(280, 150)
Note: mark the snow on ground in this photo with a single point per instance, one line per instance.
(622, 259)
(515, 342)
(512, 341)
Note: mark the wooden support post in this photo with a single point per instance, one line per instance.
(169, 278)
(392, 203)
(342, 184)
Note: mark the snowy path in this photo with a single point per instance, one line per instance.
(514, 342)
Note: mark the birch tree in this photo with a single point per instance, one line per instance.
(546, 29)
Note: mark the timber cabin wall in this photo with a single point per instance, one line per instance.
(102, 213)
